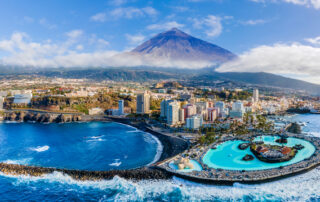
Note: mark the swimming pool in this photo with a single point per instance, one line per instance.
(229, 157)
(196, 165)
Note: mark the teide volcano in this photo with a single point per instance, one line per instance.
(177, 45)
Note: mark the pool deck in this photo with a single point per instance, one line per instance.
(221, 176)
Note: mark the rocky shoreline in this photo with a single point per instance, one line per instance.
(171, 147)
(135, 174)
(41, 117)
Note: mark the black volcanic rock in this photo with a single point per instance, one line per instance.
(177, 45)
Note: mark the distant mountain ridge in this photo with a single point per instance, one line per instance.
(177, 45)
(203, 77)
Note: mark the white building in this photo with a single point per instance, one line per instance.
(237, 110)
(1, 103)
(22, 98)
(194, 122)
(96, 111)
(255, 96)
(222, 110)
(173, 113)
(238, 106)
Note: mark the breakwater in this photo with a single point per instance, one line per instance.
(135, 174)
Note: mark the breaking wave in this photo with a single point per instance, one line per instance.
(299, 188)
(40, 148)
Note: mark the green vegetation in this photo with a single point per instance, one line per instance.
(225, 95)
(208, 138)
(82, 108)
(155, 104)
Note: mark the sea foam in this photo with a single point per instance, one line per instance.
(298, 188)
(40, 148)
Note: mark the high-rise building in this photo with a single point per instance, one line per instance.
(212, 114)
(255, 96)
(164, 107)
(143, 103)
(189, 110)
(237, 110)
(121, 107)
(194, 122)
(238, 106)
(173, 113)
(1, 102)
(221, 108)
(181, 116)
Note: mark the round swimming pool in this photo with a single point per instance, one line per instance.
(229, 157)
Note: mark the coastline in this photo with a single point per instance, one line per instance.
(168, 147)
(172, 146)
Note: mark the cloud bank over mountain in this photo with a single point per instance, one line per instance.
(296, 60)
(293, 59)
(20, 50)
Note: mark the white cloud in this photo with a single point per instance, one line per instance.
(79, 47)
(99, 17)
(135, 39)
(131, 12)
(165, 26)
(211, 24)
(74, 33)
(117, 2)
(28, 19)
(150, 11)
(295, 59)
(253, 22)
(308, 3)
(22, 51)
(314, 41)
(98, 42)
(44, 22)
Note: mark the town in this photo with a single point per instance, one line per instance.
(168, 103)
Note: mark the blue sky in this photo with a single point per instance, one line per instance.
(90, 28)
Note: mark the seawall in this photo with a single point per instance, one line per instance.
(135, 174)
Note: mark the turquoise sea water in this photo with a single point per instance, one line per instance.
(229, 156)
(58, 187)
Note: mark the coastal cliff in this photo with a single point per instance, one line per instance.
(22, 116)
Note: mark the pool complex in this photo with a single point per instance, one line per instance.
(229, 157)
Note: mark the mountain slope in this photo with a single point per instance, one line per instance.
(262, 79)
(177, 45)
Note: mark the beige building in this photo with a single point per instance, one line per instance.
(143, 103)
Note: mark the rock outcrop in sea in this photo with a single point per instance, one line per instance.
(294, 128)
